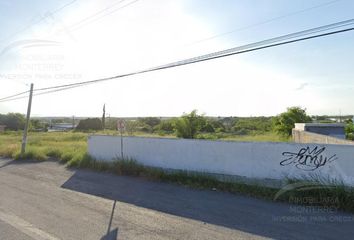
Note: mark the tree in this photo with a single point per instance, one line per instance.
(90, 124)
(111, 123)
(349, 130)
(151, 122)
(217, 125)
(208, 127)
(104, 116)
(13, 121)
(227, 123)
(166, 126)
(252, 125)
(189, 125)
(36, 125)
(285, 122)
(131, 126)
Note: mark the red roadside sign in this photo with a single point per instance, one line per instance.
(120, 125)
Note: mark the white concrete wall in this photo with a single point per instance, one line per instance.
(300, 136)
(249, 159)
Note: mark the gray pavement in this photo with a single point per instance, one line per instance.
(45, 200)
(7, 232)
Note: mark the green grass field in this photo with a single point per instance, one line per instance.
(66, 146)
(71, 147)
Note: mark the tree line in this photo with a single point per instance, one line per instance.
(190, 125)
(195, 125)
(16, 122)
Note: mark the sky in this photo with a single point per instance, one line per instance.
(51, 43)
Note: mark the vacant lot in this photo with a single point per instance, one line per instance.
(71, 146)
(66, 146)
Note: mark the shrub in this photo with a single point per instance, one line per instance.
(254, 124)
(285, 122)
(349, 131)
(189, 125)
(165, 126)
(149, 122)
(208, 127)
(13, 121)
(90, 124)
(31, 154)
(127, 167)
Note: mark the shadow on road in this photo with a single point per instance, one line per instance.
(111, 234)
(246, 214)
(5, 162)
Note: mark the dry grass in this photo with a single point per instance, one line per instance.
(65, 146)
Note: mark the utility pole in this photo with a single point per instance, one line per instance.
(121, 126)
(24, 139)
(104, 117)
(73, 122)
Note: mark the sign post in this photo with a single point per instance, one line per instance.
(120, 127)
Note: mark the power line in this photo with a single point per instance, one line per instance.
(8, 100)
(15, 95)
(97, 13)
(215, 57)
(64, 6)
(219, 53)
(261, 23)
(38, 21)
(57, 90)
(38, 94)
(82, 23)
(115, 10)
(229, 52)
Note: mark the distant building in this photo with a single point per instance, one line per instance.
(330, 129)
(61, 127)
(2, 128)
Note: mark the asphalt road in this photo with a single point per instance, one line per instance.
(47, 201)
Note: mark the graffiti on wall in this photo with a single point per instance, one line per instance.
(308, 159)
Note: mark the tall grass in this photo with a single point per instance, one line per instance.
(71, 146)
(65, 146)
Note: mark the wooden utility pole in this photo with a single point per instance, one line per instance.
(104, 117)
(121, 126)
(24, 139)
